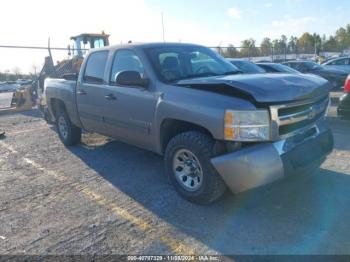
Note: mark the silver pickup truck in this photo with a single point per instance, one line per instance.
(215, 127)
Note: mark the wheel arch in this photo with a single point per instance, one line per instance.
(55, 105)
(170, 127)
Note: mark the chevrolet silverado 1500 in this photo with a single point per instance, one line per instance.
(216, 128)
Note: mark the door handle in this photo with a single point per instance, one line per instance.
(110, 97)
(81, 92)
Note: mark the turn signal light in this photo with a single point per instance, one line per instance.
(228, 118)
(229, 134)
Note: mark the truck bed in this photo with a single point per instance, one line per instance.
(56, 88)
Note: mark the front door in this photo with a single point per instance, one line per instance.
(129, 110)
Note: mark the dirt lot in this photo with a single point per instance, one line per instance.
(106, 197)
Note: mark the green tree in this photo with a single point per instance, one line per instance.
(317, 42)
(248, 48)
(279, 46)
(266, 47)
(331, 45)
(230, 51)
(348, 29)
(343, 38)
(292, 45)
(306, 43)
(284, 40)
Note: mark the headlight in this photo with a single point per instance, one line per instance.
(253, 125)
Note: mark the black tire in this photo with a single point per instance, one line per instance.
(47, 116)
(72, 136)
(201, 146)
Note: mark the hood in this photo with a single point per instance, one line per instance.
(331, 70)
(344, 68)
(263, 88)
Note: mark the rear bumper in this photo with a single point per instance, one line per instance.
(265, 163)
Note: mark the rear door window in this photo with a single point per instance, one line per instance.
(95, 67)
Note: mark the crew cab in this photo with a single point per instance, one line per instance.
(215, 128)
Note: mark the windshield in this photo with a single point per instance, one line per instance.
(312, 65)
(283, 68)
(172, 63)
(247, 67)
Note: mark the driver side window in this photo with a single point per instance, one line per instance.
(125, 60)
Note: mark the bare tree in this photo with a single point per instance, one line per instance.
(16, 70)
(35, 69)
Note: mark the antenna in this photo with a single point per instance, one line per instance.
(163, 28)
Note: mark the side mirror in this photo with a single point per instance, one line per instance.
(72, 77)
(131, 78)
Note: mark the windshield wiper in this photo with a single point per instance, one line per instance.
(195, 76)
(201, 75)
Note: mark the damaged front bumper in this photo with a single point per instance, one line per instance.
(261, 164)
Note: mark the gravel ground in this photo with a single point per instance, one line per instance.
(105, 197)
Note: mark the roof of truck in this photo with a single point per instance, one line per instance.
(143, 45)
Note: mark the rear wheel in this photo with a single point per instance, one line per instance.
(68, 133)
(188, 165)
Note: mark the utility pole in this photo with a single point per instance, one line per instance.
(315, 49)
(163, 28)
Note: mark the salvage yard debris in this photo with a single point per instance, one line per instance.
(17, 99)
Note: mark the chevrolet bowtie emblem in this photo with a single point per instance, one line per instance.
(312, 113)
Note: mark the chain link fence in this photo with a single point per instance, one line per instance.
(263, 54)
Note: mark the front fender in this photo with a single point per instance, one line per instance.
(202, 108)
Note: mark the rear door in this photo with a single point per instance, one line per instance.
(129, 110)
(90, 99)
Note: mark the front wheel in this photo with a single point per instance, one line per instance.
(187, 163)
(68, 133)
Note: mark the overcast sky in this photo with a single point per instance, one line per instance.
(207, 22)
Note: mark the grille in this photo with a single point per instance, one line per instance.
(290, 118)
